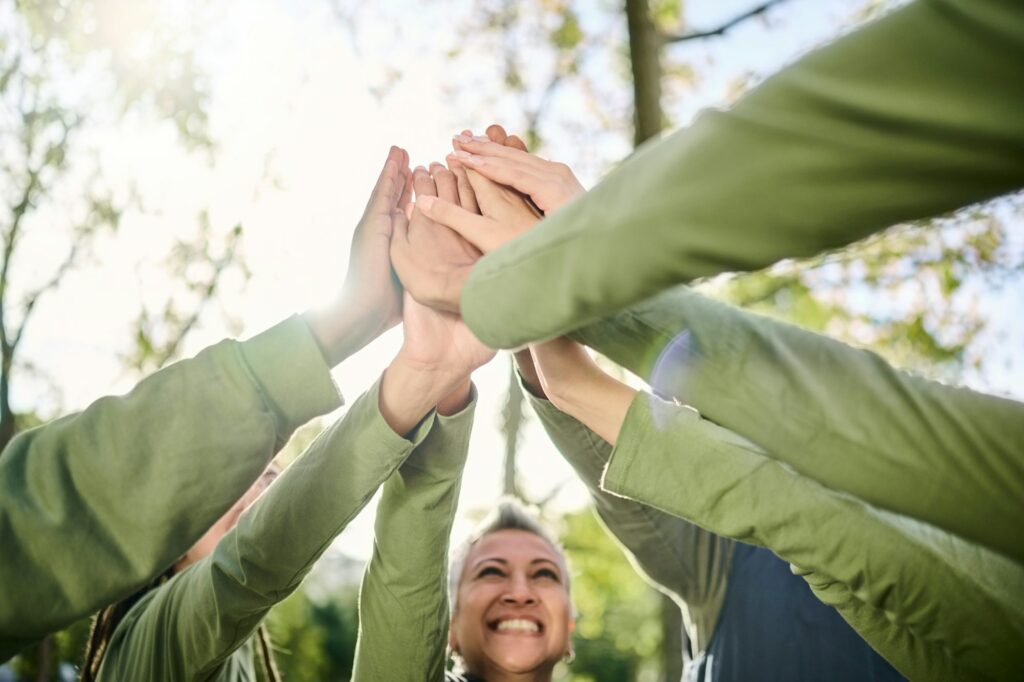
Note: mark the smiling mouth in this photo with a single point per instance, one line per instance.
(517, 626)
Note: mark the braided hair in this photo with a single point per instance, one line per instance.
(105, 623)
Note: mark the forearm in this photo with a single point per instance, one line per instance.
(679, 556)
(930, 585)
(403, 609)
(822, 153)
(885, 435)
(275, 543)
(192, 437)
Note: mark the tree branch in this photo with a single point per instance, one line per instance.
(33, 298)
(725, 27)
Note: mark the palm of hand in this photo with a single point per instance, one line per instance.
(370, 282)
(440, 341)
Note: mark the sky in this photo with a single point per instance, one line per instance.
(302, 129)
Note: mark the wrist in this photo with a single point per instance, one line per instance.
(457, 400)
(342, 329)
(600, 402)
(404, 397)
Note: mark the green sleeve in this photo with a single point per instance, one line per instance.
(934, 605)
(187, 628)
(681, 558)
(96, 504)
(911, 116)
(403, 604)
(839, 415)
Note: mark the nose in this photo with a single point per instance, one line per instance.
(519, 592)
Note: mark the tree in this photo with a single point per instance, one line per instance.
(68, 72)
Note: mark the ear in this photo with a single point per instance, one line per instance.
(572, 625)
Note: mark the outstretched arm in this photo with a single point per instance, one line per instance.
(679, 557)
(132, 481)
(823, 153)
(403, 606)
(935, 606)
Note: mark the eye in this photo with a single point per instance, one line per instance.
(488, 571)
(548, 574)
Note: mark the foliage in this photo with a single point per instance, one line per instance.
(911, 293)
(618, 634)
(315, 641)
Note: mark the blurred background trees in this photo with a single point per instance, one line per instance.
(582, 82)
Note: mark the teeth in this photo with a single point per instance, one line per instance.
(519, 625)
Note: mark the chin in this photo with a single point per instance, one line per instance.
(521, 662)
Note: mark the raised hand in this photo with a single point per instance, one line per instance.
(439, 352)
(504, 159)
(432, 261)
(501, 175)
(370, 301)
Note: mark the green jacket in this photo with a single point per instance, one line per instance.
(911, 116)
(839, 415)
(96, 504)
(192, 628)
(403, 605)
(935, 606)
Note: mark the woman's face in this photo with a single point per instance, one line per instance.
(206, 544)
(513, 613)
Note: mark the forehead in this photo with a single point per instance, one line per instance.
(514, 546)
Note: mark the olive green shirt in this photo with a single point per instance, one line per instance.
(403, 604)
(934, 605)
(96, 504)
(910, 116)
(192, 628)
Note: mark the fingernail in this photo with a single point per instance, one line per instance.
(472, 159)
(462, 138)
(425, 203)
(461, 154)
(418, 169)
(481, 138)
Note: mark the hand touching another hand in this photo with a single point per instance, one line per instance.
(439, 352)
(562, 371)
(501, 173)
(431, 260)
(370, 302)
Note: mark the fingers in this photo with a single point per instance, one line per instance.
(384, 197)
(467, 197)
(422, 183)
(523, 178)
(405, 201)
(485, 148)
(496, 133)
(516, 143)
(474, 228)
(400, 249)
(444, 181)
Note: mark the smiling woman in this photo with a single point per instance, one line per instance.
(511, 608)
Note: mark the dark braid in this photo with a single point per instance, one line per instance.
(266, 654)
(105, 623)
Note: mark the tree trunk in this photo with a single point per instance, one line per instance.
(45, 659)
(645, 62)
(512, 422)
(7, 427)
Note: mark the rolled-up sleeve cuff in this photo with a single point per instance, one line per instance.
(292, 374)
